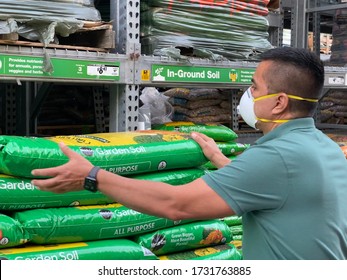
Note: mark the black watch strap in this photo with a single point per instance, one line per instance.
(90, 182)
(93, 172)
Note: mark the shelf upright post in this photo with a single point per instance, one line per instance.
(124, 98)
(299, 21)
(316, 29)
(10, 109)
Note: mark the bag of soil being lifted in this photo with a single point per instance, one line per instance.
(119, 152)
(87, 223)
(116, 249)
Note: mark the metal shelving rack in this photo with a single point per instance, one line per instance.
(26, 92)
(302, 13)
(27, 75)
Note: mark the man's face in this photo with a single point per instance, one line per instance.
(262, 108)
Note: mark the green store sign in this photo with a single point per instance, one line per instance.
(31, 66)
(171, 73)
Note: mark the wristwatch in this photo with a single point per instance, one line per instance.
(90, 183)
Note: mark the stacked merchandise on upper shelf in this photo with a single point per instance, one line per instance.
(58, 22)
(224, 30)
(200, 105)
(339, 43)
(333, 107)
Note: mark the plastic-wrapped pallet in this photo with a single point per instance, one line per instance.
(38, 20)
(210, 29)
(339, 33)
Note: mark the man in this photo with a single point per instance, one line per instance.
(289, 187)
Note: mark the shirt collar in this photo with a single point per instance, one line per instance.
(285, 128)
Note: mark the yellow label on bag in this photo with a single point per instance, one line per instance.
(120, 138)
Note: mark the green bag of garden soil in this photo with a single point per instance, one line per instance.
(236, 229)
(232, 148)
(19, 194)
(210, 166)
(218, 132)
(11, 232)
(119, 152)
(116, 249)
(218, 252)
(188, 236)
(87, 223)
(173, 177)
(232, 220)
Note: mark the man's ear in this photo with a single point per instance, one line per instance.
(282, 103)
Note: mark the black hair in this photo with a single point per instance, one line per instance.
(295, 71)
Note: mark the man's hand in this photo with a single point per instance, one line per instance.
(64, 178)
(210, 149)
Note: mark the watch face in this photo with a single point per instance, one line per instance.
(90, 184)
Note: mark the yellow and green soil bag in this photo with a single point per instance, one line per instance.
(118, 152)
(19, 194)
(12, 232)
(116, 249)
(86, 223)
(216, 131)
(188, 236)
(218, 252)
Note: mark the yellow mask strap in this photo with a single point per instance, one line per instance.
(289, 95)
(274, 121)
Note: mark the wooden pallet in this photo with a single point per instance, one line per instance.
(93, 37)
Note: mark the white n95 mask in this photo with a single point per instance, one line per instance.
(246, 108)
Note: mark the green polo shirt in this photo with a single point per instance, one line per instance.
(290, 188)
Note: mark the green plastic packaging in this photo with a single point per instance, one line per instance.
(232, 220)
(124, 153)
(173, 177)
(87, 223)
(188, 236)
(237, 229)
(232, 148)
(19, 194)
(12, 232)
(218, 132)
(117, 249)
(218, 252)
(210, 166)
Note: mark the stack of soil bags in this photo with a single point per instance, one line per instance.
(333, 107)
(199, 105)
(83, 225)
(339, 33)
(211, 29)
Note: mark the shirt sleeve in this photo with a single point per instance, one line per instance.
(256, 180)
